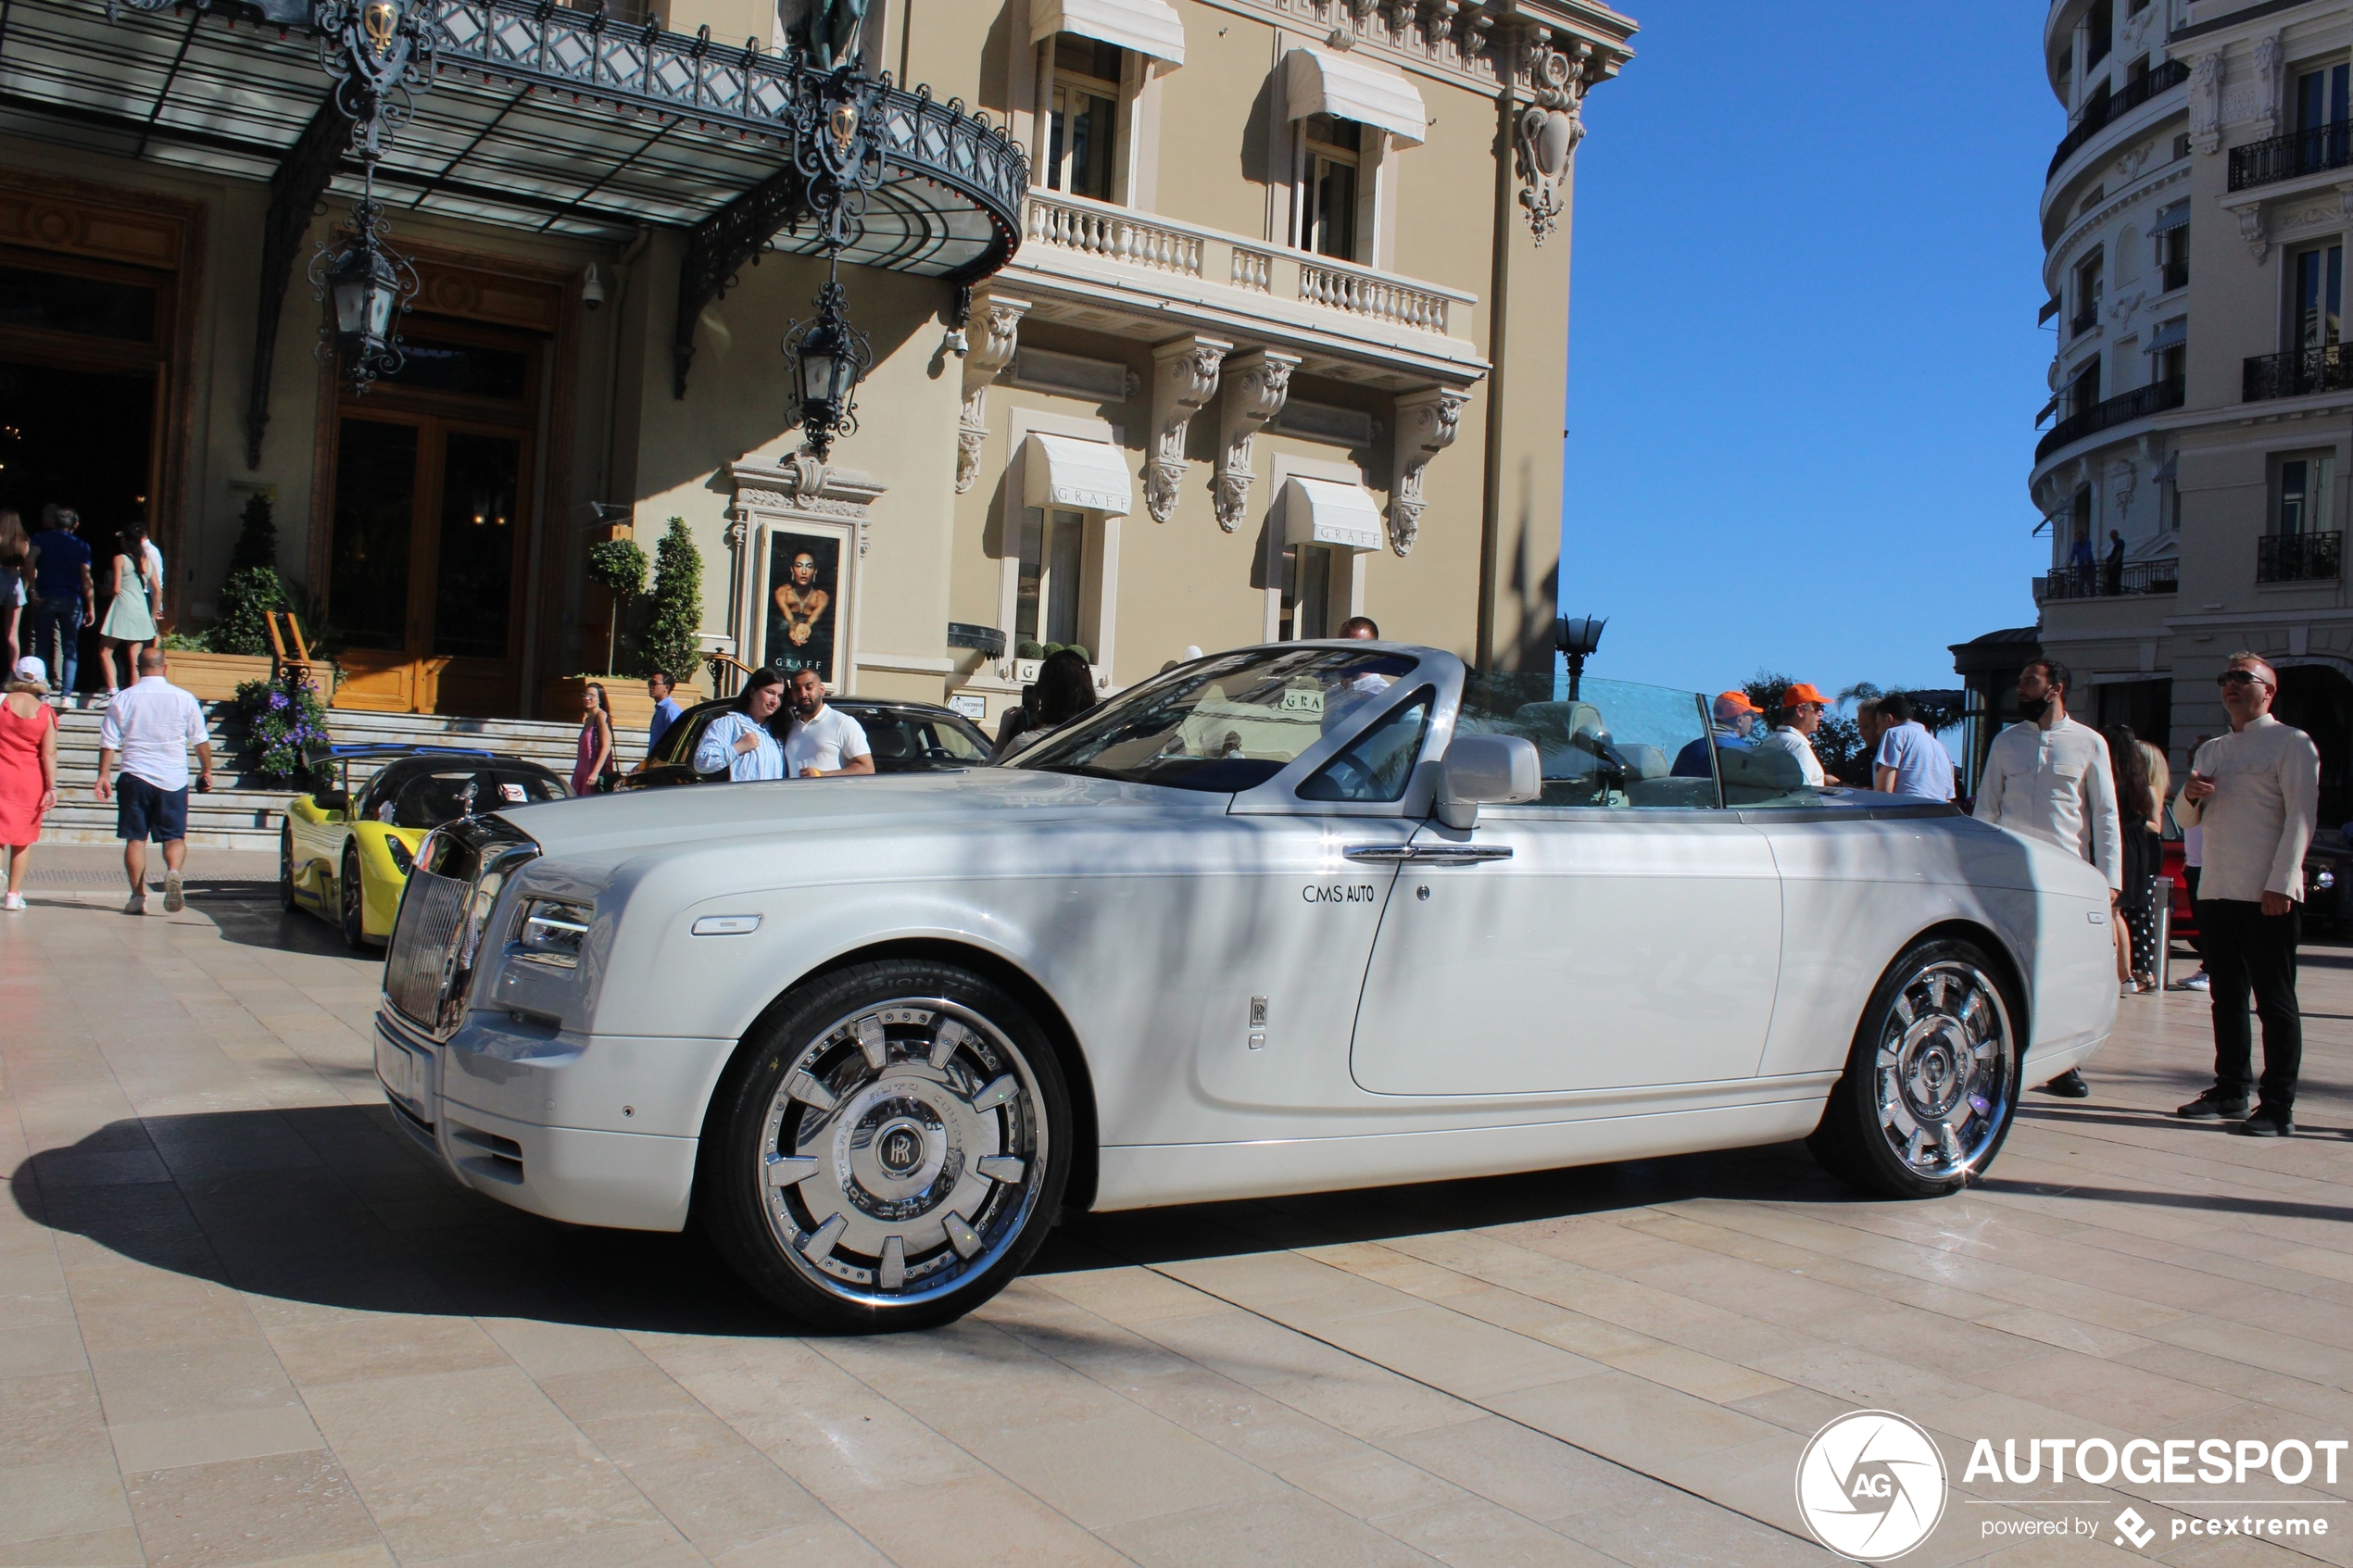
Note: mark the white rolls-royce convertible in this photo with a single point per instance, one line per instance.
(1298, 918)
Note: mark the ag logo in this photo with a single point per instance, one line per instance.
(1871, 1486)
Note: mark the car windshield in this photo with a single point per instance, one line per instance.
(428, 799)
(1224, 724)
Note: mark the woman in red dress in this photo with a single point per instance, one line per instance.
(28, 768)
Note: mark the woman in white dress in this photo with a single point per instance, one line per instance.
(129, 623)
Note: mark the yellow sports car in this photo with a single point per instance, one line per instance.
(347, 859)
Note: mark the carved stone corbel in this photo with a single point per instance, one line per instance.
(1427, 424)
(1184, 379)
(995, 333)
(1548, 129)
(2253, 230)
(1256, 384)
(2206, 103)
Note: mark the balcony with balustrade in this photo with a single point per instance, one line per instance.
(2111, 412)
(2106, 109)
(2300, 558)
(1094, 264)
(2103, 581)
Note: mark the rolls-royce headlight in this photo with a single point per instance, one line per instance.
(2324, 879)
(552, 932)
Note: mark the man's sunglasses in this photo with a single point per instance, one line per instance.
(2240, 678)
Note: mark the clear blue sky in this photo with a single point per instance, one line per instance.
(1803, 359)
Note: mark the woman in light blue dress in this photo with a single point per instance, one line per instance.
(130, 621)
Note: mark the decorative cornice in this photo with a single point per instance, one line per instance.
(800, 485)
(1467, 43)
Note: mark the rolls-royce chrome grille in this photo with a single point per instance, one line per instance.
(423, 940)
(460, 871)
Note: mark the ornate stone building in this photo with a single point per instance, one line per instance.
(1191, 322)
(2194, 223)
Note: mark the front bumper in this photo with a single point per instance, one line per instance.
(527, 1116)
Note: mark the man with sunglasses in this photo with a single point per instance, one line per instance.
(2255, 792)
(2052, 777)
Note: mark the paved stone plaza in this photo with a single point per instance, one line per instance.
(242, 1323)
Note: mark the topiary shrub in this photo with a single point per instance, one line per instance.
(673, 640)
(253, 587)
(618, 566)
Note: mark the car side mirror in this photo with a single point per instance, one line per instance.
(1490, 770)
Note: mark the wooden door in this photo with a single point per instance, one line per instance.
(432, 499)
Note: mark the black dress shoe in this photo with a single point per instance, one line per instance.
(2212, 1104)
(2068, 1085)
(2267, 1124)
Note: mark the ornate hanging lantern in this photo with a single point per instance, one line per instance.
(828, 356)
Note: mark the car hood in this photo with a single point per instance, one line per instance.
(611, 826)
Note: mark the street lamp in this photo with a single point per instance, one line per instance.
(368, 284)
(828, 356)
(1578, 636)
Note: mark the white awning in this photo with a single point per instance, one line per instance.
(2172, 217)
(2170, 334)
(1067, 471)
(1149, 27)
(1348, 88)
(1323, 511)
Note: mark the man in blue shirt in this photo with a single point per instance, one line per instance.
(666, 710)
(1909, 762)
(1735, 716)
(63, 597)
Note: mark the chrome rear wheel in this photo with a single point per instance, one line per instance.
(1931, 1079)
(1944, 1070)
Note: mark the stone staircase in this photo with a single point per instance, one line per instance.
(243, 814)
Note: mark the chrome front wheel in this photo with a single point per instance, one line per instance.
(898, 1149)
(1931, 1081)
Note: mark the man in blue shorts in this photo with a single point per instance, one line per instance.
(149, 727)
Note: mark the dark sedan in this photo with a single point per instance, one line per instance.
(907, 737)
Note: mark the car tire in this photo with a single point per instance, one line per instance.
(1931, 1080)
(888, 1148)
(287, 900)
(351, 901)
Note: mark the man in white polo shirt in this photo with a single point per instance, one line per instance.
(824, 741)
(2052, 777)
(149, 727)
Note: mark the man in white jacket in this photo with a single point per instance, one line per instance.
(2255, 791)
(2052, 777)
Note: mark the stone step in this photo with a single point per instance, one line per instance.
(247, 816)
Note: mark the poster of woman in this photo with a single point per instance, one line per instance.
(804, 577)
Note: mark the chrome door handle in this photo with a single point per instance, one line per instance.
(1425, 854)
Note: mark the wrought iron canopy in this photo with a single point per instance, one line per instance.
(542, 117)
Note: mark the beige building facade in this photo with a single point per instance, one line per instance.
(2195, 221)
(1194, 323)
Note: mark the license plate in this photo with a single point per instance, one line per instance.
(402, 1070)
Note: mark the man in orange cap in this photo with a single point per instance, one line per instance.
(1802, 708)
(1734, 716)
